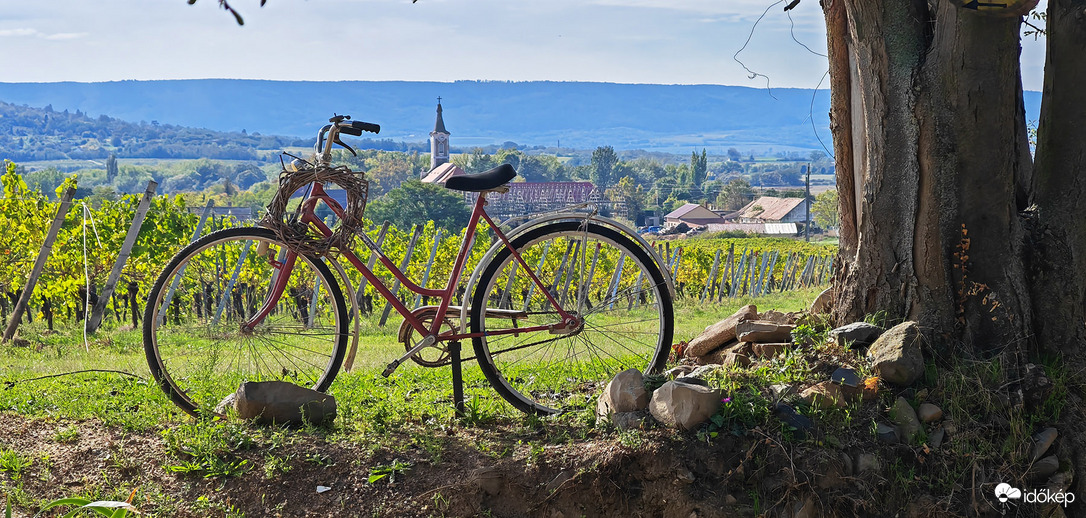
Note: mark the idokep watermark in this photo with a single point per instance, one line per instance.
(1008, 494)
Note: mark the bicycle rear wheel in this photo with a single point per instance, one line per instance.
(599, 275)
(197, 345)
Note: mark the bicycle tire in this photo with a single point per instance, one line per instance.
(542, 374)
(196, 347)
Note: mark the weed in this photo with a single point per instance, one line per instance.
(389, 471)
(275, 465)
(67, 435)
(14, 462)
(207, 448)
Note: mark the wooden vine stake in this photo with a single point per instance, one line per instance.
(126, 248)
(39, 263)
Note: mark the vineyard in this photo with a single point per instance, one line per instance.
(90, 239)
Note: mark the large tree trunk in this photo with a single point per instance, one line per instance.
(927, 132)
(1058, 262)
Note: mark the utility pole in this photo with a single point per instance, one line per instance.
(807, 203)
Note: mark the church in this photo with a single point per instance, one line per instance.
(523, 198)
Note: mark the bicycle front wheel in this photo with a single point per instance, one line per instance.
(596, 273)
(197, 343)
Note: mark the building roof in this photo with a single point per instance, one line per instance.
(439, 125)
(769, 208)
(694, 213)
(442, 173)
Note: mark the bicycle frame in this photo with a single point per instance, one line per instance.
(445, 295)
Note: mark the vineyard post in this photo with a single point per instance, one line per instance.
(372, 261)
(711, 283)
(737, 274)
(729, 266)
(759, 275)
(39, 263)
(426, 274)
(126, 249)
(177, 278)
(768, 285)
(225, 297)
(531, 285)
(752, 267)
(583, 295)
(569, 272)
(403, 268)
(616, 281)
(561, 268)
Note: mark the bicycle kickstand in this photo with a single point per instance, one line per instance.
(424, 343)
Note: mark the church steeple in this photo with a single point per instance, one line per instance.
(439, 141)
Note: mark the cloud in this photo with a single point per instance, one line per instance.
(65, 36)
(19, 32)
(34, 33)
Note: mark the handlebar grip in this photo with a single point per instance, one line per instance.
(357, 127)
(366, 126)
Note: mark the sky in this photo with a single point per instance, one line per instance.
(623, 41)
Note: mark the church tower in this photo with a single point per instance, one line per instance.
(439, 141)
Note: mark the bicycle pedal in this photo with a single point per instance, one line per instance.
(390, 369)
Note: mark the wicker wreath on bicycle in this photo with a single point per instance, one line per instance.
(303, 238)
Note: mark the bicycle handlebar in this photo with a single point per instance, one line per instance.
(341, 124)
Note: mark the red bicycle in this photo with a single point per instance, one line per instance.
(555, 308)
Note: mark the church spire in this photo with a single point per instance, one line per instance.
(439, 141)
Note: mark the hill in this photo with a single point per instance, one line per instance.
(578, 115)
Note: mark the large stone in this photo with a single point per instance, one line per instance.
(896, 355)
(762, 331)
(828, 395)
(280, 402)
(929, 413)
(904, 417)
(1044, 468)
(683, 405)
(631, 420)
(856, 334)
(770, 350)
(719, 333)
(800, 424)
(777, 317)
(867, 462)
(625, 393)
(823, 302)
(1041, 442)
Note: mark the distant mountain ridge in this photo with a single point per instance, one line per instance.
(674, 118)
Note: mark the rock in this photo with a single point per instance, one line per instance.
(561, 478)
(679, 371)
(904, 417)
(1036, 387)
(846, 464)
(1041, 442)
(228, 403)
(638, 420)
(828, 395)
(856, 334)
(887, 433)
(625, 393)
(737, 360)
(896, 355)
(935, 440)
(770, 350)
(730, 500)
(280, 402)
(867, 462)
(800, 424)
(950, 426)
(929, 413)
(683, 405)
(719, 333)
(704, 371)
(845, 376)
(761, 331)
(692, 381)
(783, 390)
(823, 303)
(777, 317)
(1044, 468)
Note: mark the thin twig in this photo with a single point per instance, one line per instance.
(110, 371)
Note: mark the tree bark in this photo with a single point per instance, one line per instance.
(931, 144)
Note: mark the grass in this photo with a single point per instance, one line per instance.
(409, 411)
